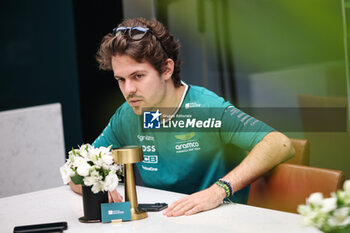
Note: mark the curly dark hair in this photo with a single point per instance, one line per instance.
(156, 47)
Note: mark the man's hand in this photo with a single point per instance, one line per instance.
(207, 199)
(114, 196)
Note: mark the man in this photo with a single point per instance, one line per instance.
(210, 164)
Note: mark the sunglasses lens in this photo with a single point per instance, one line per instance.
(118, 31)
(137, 33)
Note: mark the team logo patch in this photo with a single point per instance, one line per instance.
(186, 136)
(151, 120)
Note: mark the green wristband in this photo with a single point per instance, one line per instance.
(224, 186)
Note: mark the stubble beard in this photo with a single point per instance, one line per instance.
(137, 110)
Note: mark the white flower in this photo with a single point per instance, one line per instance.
(307, 220)
(328, 204)
(92, 165)
(340, 217)
(343, 197)
(320, 220)
(115, 168)
(72, 152)
(66, 173)
(97, 187)
(315, 199)
(78, 161)
(107, 160)
(308, 214)
(93, 153)
(111, 182)
(102, 157)
(105, 150)
(92, 179)
(83, 153)
(304, 210)
(83, 169)
(327, 214)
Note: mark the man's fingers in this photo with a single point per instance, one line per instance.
(109, 197)
(120, 197)
(114, 196)
(174, 205)
(194, 210)
(180, 208)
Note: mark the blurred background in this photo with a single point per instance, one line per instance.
(269, 57)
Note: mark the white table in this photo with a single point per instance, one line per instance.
(61, 204)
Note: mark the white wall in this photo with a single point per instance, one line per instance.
(31, 149)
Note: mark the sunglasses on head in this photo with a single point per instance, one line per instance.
(136, 33)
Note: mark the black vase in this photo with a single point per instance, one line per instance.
(92, 204)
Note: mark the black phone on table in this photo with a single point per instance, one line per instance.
(154, 207)
(45, 227)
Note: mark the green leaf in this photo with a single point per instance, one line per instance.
(71, 158)
(77, 179)
(73, 151)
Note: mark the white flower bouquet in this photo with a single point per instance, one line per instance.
(330, 214)
(91, 166)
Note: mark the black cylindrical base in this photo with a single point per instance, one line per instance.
(92, 204)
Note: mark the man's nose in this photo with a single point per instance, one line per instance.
(130, 87)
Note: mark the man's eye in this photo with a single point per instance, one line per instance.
(119, 80)
(138, 76)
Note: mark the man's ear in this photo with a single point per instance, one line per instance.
(168, 68)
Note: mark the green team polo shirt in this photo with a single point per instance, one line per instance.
(188, 159)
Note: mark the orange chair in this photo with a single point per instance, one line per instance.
(301, 157)
(302, 152)
(288, 185)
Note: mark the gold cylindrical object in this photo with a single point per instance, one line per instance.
(128, 155)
